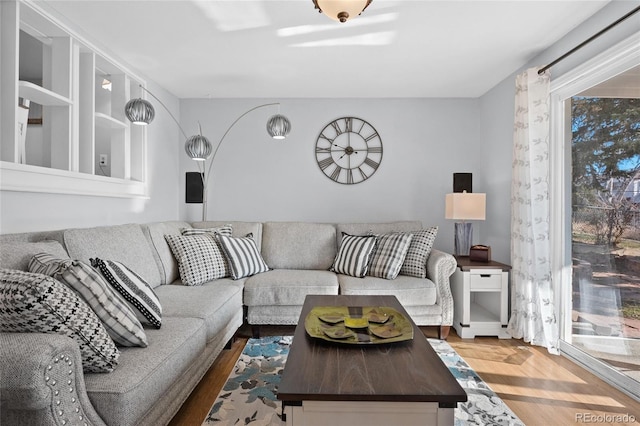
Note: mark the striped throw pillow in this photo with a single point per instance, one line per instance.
(415, 263)
(222, 230)
(354, 255)
(389, 255)
(133, 289)
(243, 256)
(116, 316)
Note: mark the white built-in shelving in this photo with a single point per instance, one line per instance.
(75, 95)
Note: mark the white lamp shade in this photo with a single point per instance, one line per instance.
(335, 9)
(465, 206)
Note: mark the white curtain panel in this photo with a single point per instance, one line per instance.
(533, 314)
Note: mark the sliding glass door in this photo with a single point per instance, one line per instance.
(596, 122)
(605, 223)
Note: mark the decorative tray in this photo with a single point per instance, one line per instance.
(358, 325)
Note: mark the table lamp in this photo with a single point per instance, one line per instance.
(463, 206)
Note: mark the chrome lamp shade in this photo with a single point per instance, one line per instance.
(139, 111)
(198, 148)
(278, 126)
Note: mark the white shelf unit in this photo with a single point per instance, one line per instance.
(480, 295)
(60, 73)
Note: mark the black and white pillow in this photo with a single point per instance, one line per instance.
(116, 315)
(389, 255)
(200, 258)
(354, 255)
(37, 303)
(415, 263)
(135, 290)
(243, 256)
(222, 230)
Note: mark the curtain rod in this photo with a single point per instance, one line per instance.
(587, 41)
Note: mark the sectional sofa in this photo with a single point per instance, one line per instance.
(42, 377)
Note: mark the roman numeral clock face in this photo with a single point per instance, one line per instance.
(349, 150)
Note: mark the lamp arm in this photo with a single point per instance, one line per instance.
(225, 135)
(165, 107)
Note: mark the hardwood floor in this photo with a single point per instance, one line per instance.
(541, 389)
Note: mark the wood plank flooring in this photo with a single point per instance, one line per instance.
(541, 389)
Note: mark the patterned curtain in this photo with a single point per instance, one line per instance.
(533, 314)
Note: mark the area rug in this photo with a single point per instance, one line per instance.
(249, 395)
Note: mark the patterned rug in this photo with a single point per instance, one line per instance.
(249, 395)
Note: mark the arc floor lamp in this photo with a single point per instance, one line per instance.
(198, 148)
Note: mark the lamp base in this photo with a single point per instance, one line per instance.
(463, 237)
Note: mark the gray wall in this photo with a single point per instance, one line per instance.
(256, 178)
(31, 211)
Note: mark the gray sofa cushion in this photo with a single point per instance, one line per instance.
(297, 245)
(215, 302)
(16, 255)
(288, 287)
(123, 396)
(410, 291)
(155, 233)
(122, 243)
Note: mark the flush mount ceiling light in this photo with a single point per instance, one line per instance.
(341, 10)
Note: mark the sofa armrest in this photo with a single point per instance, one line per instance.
(440, 266)
(42, 381)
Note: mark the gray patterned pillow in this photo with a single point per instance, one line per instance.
(200, 258)
(141, 297)
(37, 303)
(389, 255)
(243, 256)
(415, 263)
(354, 255)
(116, 316)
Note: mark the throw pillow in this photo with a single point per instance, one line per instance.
(354, 255)
(243, 256)
(37, 303)
(223, 230)
(116, 316)
(200, 258)
(133, 289)
(389, 255)
(415, 263)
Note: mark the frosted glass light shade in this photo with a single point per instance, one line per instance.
(198, 148)
(341, 10)
(139, 111)
(278, 126)
(465, 206)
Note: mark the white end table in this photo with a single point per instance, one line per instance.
(480, 297)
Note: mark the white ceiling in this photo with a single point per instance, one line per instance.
(286, 49)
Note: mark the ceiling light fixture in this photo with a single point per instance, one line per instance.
(341, 10)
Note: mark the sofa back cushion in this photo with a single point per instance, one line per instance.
(17, 254)
(122, 243)
(167, 263)
(298, 245)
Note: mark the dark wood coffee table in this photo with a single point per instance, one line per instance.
(328, 383)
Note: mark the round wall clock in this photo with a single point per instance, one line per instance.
(349, 150)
